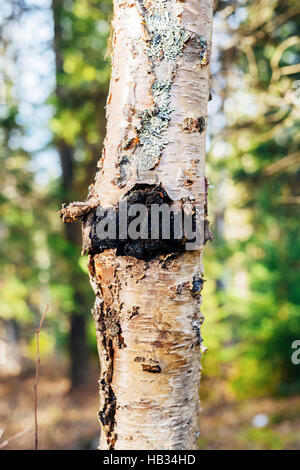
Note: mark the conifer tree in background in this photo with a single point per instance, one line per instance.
(79, 122)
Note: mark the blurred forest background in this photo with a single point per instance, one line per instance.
(54, 75)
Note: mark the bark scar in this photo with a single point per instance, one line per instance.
(108, 409)
(153, 368)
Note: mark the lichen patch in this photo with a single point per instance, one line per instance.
(167, 36)
(165, 43)
(154, 122)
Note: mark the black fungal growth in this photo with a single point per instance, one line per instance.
(141, 248)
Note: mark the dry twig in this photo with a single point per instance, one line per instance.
(19, 434)
(38, 361)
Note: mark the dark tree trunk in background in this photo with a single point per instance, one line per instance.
(78, 349)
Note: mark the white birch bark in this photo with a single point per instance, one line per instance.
(147, 313)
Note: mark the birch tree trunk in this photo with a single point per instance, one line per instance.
(147, 308)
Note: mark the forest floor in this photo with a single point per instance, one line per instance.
(68, 420)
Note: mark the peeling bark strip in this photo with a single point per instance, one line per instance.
(147, 308)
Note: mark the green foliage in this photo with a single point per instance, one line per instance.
(39, 260)
(251, 297)
(256, 253)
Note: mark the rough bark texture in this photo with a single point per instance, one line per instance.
(147, 312)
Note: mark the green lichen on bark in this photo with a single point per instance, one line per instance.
(154, 122)
(166, 42)
(166, 39)
(163, 44)
(167, 36)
